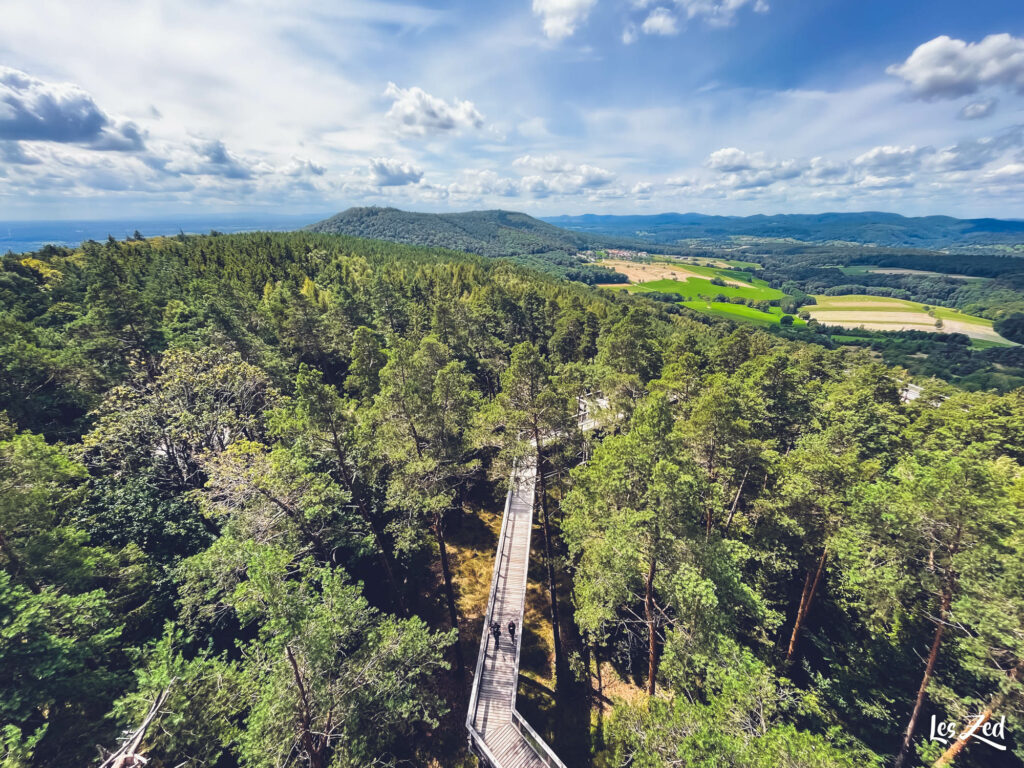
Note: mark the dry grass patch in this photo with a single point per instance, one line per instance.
(648, 273)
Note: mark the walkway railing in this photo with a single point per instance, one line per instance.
(477, 743)
(476, 740)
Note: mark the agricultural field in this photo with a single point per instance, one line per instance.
(740, 312)
(871, 270)
(692, 281)
(879, 313)
(702, 261)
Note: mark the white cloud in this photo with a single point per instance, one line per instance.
(559, 18)
(561, 176)
(680, 182)
(972, 154)
(629, 34)
(478, 184)
(731, 159)
(14, 153)
(977, 110)
(946, 68)
(642, 190)
(299, 167)
(209, 158)
(660, 22)
(388, 172)
(891, 160)
(719, 12)
(544, 163)
(35, 110)
(416, 111)
(1013, 172)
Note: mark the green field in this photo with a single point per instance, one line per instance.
(695, 287)
(740, 312)
(879, 313)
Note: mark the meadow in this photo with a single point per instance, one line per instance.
(879, 313)
(741, 312)
(693, 281)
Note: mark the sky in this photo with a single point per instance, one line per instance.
(146, 107)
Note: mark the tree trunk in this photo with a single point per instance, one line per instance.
(994, 703)
(652, 657)
(316, 757)
(449, 590)
(549, 560)
(805, 604)
(933, 656)
(736, 501)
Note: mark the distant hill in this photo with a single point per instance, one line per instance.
(506, 234)
(489, 233)
(888, 229)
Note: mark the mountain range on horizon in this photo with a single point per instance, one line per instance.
(866, 227)
(510, 233)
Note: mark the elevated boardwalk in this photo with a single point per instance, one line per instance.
(498, 735)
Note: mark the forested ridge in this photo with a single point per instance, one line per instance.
(496, 234)
(234, 471)
(875, 227)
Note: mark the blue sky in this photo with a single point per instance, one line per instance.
(113, 108)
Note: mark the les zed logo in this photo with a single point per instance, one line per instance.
(943, 731)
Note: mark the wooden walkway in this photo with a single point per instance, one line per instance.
(498, 734)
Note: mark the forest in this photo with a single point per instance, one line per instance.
(244, 481)
(497, 234)
(876, 228)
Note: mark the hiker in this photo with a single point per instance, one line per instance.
(496, 631)
(512, 632)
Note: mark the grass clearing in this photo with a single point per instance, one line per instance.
(880, 313)
(641, 272)
(697, 287)
(740, 312)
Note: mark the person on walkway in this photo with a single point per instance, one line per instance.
(496, 631)
(512, 632)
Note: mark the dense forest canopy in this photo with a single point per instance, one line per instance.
(504, 234)
(245, 477)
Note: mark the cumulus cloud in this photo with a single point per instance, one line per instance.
(680, 182)
(732, 159)
(629, 35)
(892, 160)
(562, 177)
(747, 170)
(475, 184)
(559, 18)
(416, 111)
(642, 190)
(661, 21)
(977, 110)
(388, 172)
(945, 68)
(35, 110)
(543, 163)
(300, 167)
(211, 158)
(719, 12)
